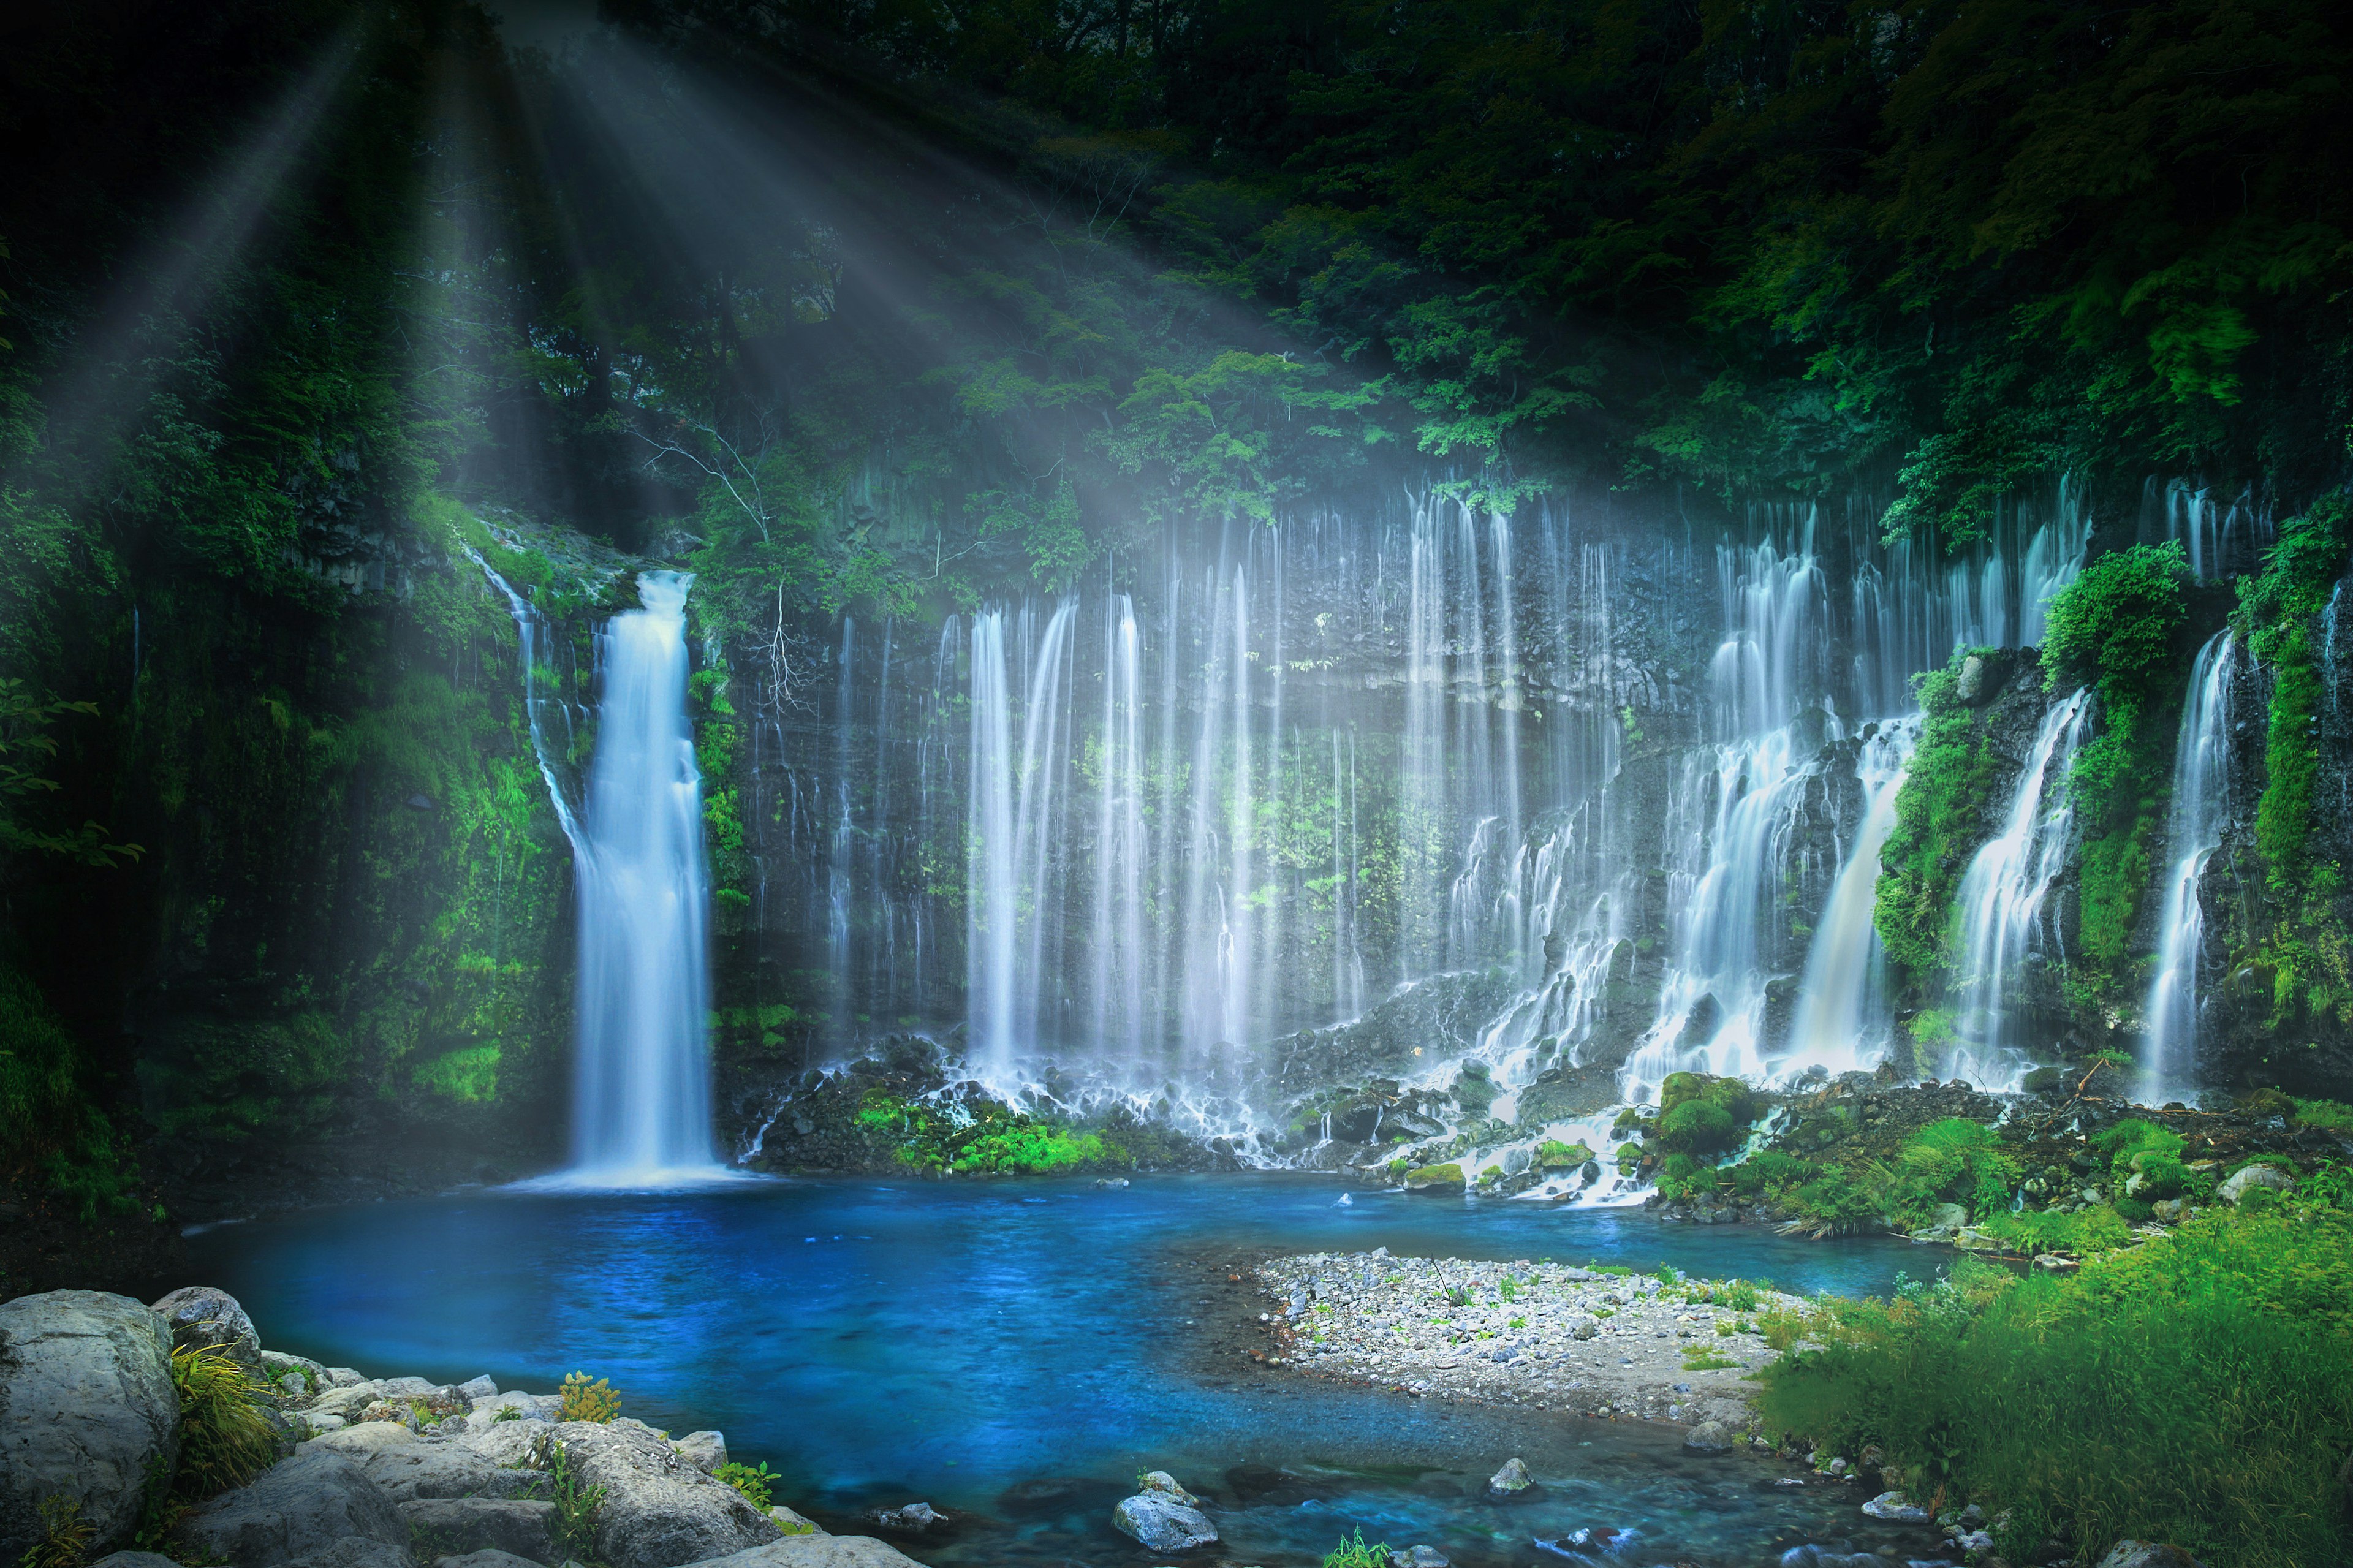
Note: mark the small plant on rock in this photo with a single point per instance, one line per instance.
(64, 1540)
(573, 1526)
(1354, 1554)
(754, 1484)
(599, 1402)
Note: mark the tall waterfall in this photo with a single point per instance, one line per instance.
(2194, 828)
(2001, 897)
(642, 1111)
(1842, 1022)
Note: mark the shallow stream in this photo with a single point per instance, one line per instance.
(1020, 1350)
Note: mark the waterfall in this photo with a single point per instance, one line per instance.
(1117, 935)
(642, 1111)
(2002, 897)
(1732, 811)
(1842, 1023)
(2193, 829)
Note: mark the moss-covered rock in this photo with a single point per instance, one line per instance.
(1434, 1179)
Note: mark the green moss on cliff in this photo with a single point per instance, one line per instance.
(1940, 818)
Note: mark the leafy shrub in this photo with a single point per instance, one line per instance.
(225, 1440)
(1036, 1150)
(599, 1402)
(1741, 1296)
(2036, 1231)
(754, 1484)
(2193, 1390)
(1952, 1161)
(2328, 1115)
(1834, 1203)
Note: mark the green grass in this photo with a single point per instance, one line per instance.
(224, 1439)
(2198, 1390)
(1352, 1553)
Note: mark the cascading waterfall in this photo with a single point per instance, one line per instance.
(1842, 1020)
(642, 1112)
(2002, 895)
(2194, 823)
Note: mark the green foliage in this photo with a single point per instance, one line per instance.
(2117, 626)
(992, 1141)
(1037, 1151)
(224, 1439)
(1952, 1161)
(754, 1484)
(234, 1080)
(1741, 1297)
(2328, 1115)
(1940, 818)
(1835, 1203)
(25, 748)
(2090, 1400)
(572, 1527)
(2085, 1233)
(584, 1401)
(1352, 1553)
(64, 1535)
(1552, 1154)
(1697, 1126)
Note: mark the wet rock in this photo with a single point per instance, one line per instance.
(2147, 1554)
(2270, 1177)
(1972, 678)
(1896, 1508)
(475, 1388)
(459, 1525)
(1441, 1179)
(1163, 1482)
(1708, 1437)
(134, 1560)
(1512, 1482)
(913, 1521)
(1161, 1523)
(1423, 1557)
(296, 1509)
(87, 1411)
(201, 1318)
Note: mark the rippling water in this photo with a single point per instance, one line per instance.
(1020, 1350)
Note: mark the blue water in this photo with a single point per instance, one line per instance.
(878, 1342)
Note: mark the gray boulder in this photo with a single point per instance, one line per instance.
(87, 1411)
(1708, 1437)
(2231, 1191)
(659, 1509)
(1161, 1523)
(410, 1468)
(485, 1560)
(816, 1551)
(706, 1451)
(454, 1526)
(475, 1388)
(277, 1365)
(356, 1552)
(2146, 1554)
(294, 1511)
(134, 1560)
(202, 1317)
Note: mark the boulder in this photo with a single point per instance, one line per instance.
(484, 1559)
(1708, 1437)
(356, 1552)
(1424, 1557)
(477, 1388)
(659, 1509)
(1447, 1178)
(87, 1410)
(1161, 1523)
(134, 1560)
(1585, 1328)
(410, 1468)
(1896, 1508)
(1512, 1481)
(2146, 1554)
(706, 1451)
(1162, 1481)
(202, 1317)
(277, 1365)
(816, 1551)
(295, 1509)
(2269, 1176)
(913, 1520)
(454, 1526)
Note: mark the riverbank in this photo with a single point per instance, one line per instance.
(1604, 1342)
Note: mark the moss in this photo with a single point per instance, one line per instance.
(471, 1074)
(1433, 1178)
(1940, 818)
(1697, 1126)
(1555, 1155)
